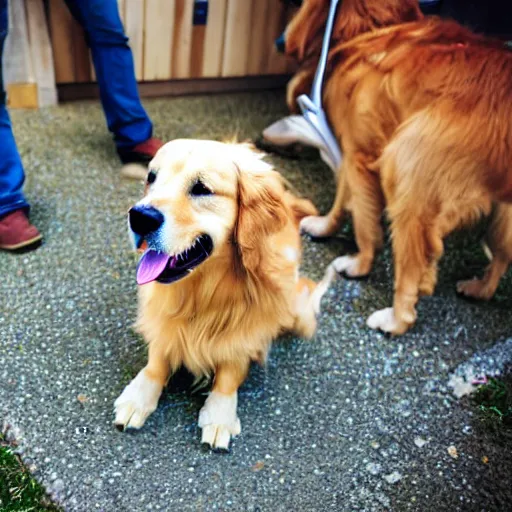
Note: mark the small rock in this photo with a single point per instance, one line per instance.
(373, 468)
(98, 483)
(258, 466)
(452, 452)
(485, 459)
(420, 442)
(58, 485)
(393, 478)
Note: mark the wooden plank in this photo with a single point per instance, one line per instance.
(276, 23)
(182, 41)
(159, 28)
(22, 95)
(61, 31)
(197, 51)
(134, 28)
(236, 41)
(81, 58)
(258, 47)
(214, 38)
(18, 61)
(41, 52)
(74, 92)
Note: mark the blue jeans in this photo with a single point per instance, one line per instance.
(113, 62)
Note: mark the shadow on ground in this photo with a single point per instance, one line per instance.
(350, 421)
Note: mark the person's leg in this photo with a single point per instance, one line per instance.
(15, 230)
(11, 169)
(113, 62)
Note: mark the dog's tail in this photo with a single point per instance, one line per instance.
(299, 206)
(309, 295)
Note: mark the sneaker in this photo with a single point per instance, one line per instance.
(17, 233)
(142, 153)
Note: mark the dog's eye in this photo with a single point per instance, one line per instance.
(200, 189)
(151, 177)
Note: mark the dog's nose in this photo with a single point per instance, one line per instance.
(281, 43)
(145, 219)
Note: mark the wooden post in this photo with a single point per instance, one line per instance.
(41, 52)
(213, 47)
(182, 41)
(236, 40)
(134, 28)
(18, 70)
(158, 37)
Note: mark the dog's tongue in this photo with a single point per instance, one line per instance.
(151, 265)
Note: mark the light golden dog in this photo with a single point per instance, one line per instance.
(422, 108)
(219, 279)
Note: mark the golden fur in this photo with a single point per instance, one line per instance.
(226, 313)
(422, 108)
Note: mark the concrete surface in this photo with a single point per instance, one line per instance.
(350, 421)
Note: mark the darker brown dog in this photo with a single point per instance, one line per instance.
(422, 108)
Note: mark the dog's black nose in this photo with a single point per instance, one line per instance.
(145, 220)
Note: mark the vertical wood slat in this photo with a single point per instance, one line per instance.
(18, 62)
(158, 37)
(276, 23)
(81, 59)
(213, 47)
(41, 53)
(61, 27)
(236, 40)
(197, 50)
(182, 40)
(258, 47)
(134, 28)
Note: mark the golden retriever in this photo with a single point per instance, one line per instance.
(422, 108)
(219, 279)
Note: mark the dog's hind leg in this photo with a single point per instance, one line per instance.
(367, 205)
(321, 226)
(499, 244)
(416, 236)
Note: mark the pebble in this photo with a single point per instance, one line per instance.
(373, 468)
(393, 478)
(420, 442)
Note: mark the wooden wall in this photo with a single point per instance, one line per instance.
(28, 62)
(236, 41)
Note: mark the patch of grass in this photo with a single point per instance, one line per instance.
(19, 491)
(494, 401)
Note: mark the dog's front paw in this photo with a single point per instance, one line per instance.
(218, 420)
(475, 289)
(138, 400)
(317, 227)
(352, 266)
(385, 320)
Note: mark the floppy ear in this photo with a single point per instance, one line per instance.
(305, 30)
(261, 212)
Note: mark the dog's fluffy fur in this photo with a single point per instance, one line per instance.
(227, 311)
(423, 110)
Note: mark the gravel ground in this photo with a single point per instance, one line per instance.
(350, 421)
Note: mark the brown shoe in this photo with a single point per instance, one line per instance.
(16, 232)
(142, 153)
